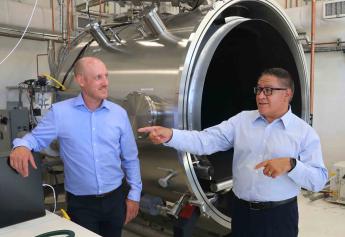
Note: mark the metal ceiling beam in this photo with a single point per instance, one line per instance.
(92, 3)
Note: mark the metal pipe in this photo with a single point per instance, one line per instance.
(100, 9)
(156, 25)
(216, 187)
(100, 36)
(334, 42)
(51, 58)
(69, 21)
(312, 58)
(37, 56)
(53, 17)
(91, 3)
(40, 36)
(327, 49)
(63, 32)
(94, 13)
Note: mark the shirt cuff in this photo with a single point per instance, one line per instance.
(299, 169)
(176, 134)
(134, 195)
(21, 142)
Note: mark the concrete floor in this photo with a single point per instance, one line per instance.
(127, 233)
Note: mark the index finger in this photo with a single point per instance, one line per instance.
(127, 218)
(25, 168)
(262, 164)
(32, 161)
(146, 129)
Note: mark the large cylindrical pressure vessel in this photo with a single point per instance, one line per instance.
(192, 71)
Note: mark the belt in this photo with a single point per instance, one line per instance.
(92, 196)
(102, 195)
(257, 206)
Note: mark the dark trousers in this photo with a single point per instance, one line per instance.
(280, 221)
(103, 215)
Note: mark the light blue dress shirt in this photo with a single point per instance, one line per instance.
(97, 147)
(255, 140)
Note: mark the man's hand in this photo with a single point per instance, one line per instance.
(20, 158)
(157, 134)
(132, 210)
(276, 167)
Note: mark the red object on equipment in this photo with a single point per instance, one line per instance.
(187, 211)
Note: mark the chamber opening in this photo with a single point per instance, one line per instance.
(237, 63)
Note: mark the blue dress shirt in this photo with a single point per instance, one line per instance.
(97, 147)
(255, 140)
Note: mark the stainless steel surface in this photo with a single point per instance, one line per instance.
(40, 36)
(202, 77)
(221, 186)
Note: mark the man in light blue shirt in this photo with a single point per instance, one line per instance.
(98, 150)
(275, 154)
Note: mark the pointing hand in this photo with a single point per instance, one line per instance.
(157, 134)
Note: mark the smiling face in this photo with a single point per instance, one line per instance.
(276, 105)
(92, 77)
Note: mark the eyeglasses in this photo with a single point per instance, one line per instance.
(267, 90)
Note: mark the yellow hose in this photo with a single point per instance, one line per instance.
(65, 215)
(56, 81)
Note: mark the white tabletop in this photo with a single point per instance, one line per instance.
(50, 222)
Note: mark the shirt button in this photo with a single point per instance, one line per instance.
(93, 129)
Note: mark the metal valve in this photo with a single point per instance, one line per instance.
(164, 182)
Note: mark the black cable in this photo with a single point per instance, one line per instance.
(195, 6)
(75, 60)
(68, 233)
(88, 12)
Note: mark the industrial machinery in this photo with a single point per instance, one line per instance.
(337, 184)
(13, 123)
(191, 71)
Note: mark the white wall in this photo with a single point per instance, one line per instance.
(329, 109)
(21, 65)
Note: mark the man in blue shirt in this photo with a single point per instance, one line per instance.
(275, 154)
(98, 150)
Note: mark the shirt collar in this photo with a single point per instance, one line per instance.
(285, 119)
(79, 101)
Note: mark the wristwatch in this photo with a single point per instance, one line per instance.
(292, 163)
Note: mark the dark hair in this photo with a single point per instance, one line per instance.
(283, 76)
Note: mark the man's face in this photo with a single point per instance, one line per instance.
(275, 105)
(94, 80)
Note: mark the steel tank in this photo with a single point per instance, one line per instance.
(192, 71)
